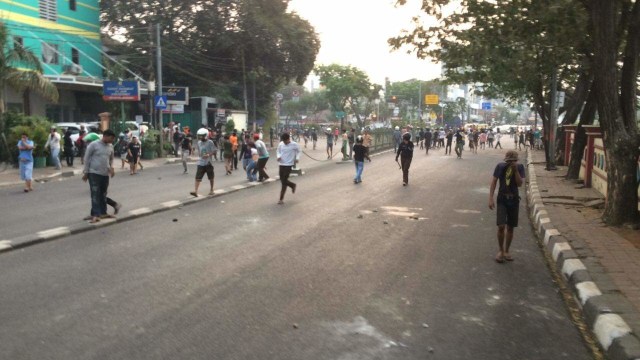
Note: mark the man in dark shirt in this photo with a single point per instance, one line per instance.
(447, 149)
(360, 152)
(460, 135)
(510, 176)
(405, 152)
(427, 140)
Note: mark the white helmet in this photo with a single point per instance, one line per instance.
(328, 129)
(397, 127)
(203, 132)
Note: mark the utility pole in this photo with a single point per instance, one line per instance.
(551, 162)
(159, 92)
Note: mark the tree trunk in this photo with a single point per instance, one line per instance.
(620, 132)
(580, 141)
(573, 108)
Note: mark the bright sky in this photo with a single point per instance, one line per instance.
(355, 32)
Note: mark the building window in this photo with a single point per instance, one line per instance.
(72, 5)
(75, 56)
(18, 42)
(49, 53)
(48, 10)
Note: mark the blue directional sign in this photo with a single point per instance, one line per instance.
(121, 90)
(486, 106)
(160, 101)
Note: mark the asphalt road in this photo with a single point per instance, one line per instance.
(239, 277)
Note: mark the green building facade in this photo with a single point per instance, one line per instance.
(65, 35)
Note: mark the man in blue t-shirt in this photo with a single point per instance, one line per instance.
(510, 176)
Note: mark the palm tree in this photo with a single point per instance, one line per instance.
(21, 70)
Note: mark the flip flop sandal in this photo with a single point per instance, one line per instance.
(500, 259)
(508, 258)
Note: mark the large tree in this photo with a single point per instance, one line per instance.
(513, 47)
(348, 89)
(245, 46)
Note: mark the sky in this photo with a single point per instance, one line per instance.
(355, 32)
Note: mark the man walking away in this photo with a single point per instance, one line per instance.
(177, 140)
(359, 154)
(447, 149)
(263, 157)
(498, 136)
(187, 150)
(98, 167)
(510, 176)
(68, 148)
(405, 152)
(205, 166)
(314, 137)
(460, 135)
(288, 155)
(53, 144)
(427, 140)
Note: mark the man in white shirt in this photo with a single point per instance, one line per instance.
(288, 155)
(53, 144)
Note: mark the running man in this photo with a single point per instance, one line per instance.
(288, 155)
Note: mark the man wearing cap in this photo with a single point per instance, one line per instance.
(511, 176)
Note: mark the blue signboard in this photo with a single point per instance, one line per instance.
(486, 106)
(160, 101)
(176, 95)
(121, 90)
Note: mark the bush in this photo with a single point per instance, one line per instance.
(37, 128)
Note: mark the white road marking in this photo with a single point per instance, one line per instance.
(141, 211)
(239, 187)
(464, 211)
(219, 191)
(55, 232)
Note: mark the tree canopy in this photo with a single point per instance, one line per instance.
(217, 46)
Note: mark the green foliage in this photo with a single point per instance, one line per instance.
(37, 128)
(229, 126)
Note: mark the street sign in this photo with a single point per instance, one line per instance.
(120, 90)
(560, 99)
(160, 101)
(176, 95)
(486, 106)
(431, 99)
(340, 114)
(221, 112)
(174, 109)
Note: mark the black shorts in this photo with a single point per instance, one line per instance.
(330, 146)
(208, 169)
(507, 211)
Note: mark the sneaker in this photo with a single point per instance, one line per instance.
(194, 194)
(211, 193)
(280, 202)
(116, 209)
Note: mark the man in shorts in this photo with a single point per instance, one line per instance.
(329, 143)
(206, 149)
(510, 176)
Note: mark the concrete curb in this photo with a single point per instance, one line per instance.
(603, 312)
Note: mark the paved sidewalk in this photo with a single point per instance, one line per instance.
(602, 266)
